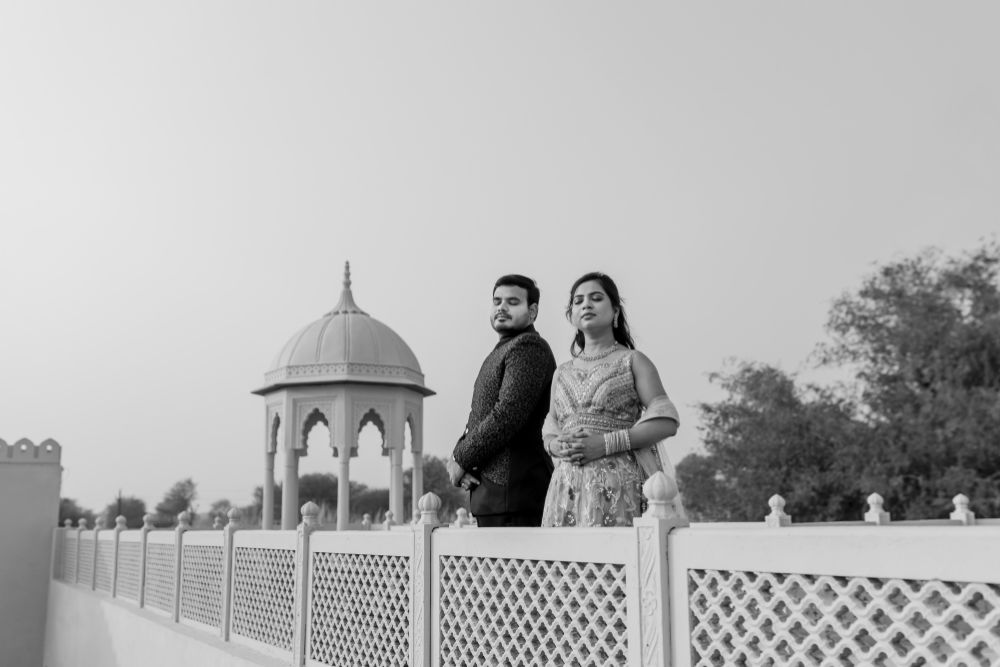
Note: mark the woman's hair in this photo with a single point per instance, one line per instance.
(621, 331)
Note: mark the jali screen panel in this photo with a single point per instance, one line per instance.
(264, 595)
(360, 609)
(506, 611)
(759, 618)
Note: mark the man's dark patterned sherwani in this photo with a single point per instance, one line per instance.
(502, 444)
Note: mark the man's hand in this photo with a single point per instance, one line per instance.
(455, 472)
(468, 482)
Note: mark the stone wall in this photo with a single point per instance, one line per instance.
(30, 477)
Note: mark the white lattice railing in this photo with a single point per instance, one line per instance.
(871, 592)
(85, 558)
(561, 598)
(129, 571)
(201, 579)
(263, 590)
(104, 560)
(159, 588)
(361, 599)
(839, 595)
(70, 543)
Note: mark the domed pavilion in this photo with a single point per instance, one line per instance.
(344, 370)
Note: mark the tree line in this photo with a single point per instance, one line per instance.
(320, 488)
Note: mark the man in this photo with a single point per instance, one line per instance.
(500, 458)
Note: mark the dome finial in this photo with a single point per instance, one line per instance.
(346, 303)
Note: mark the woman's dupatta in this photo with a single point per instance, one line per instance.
(654, 458)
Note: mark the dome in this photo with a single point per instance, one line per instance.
(345, 345)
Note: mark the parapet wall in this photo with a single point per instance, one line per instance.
(25, 451)
(30, 477)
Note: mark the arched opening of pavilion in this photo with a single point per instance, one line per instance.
(345, 370)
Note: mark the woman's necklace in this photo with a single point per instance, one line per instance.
(599, 355)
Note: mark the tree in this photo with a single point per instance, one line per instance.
(69, 509)
(924, 337)
(132, 508)
(179, 498)
(769, 436)
(918, 423)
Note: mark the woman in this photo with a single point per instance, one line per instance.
(603, 451)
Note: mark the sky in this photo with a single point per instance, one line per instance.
(181, 184)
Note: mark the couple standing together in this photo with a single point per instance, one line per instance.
(566, 446)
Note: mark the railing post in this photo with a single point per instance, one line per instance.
(183, 524)
(227, 570)
(461, 518)
(651, 530)
(777, 518)
(100, 525)
(120, 525)
(876, 511)
(147, 525)
(310, 522)
(420, 575)
(962, 512)
(67, 525)
(81, 525)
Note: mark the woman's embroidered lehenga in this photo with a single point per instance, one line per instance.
(607, 491)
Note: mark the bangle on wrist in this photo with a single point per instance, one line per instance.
(617, 442)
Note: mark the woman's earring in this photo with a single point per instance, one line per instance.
(614, 325)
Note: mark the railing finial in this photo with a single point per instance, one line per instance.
(461, 518)
(876, 511)
(777, 518)
(429, 504)
(310, 514)
(660, 492)
(962, 512)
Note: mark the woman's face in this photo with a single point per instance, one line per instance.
(591, 309)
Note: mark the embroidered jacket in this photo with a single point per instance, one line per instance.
(502, 443)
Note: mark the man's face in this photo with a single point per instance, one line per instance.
(511, 311)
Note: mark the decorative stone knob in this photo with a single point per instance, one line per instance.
(660, 492)
(184, 519)
(147, 521)
(235, 515)
(876, 511)
(68, 523)
(429, 504)
(82, 522)
(962, 512)
(121, 523)
(777, 517)
(462, 518)
(310, 514)
(366, 521)
(388, 519)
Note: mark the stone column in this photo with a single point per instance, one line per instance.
(396, 482)
(267, 513)
(290, 492)
(344, 488)
(418, 480)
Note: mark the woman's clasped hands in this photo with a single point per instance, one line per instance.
(578, 446)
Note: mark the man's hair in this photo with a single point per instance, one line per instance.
(518, 280)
